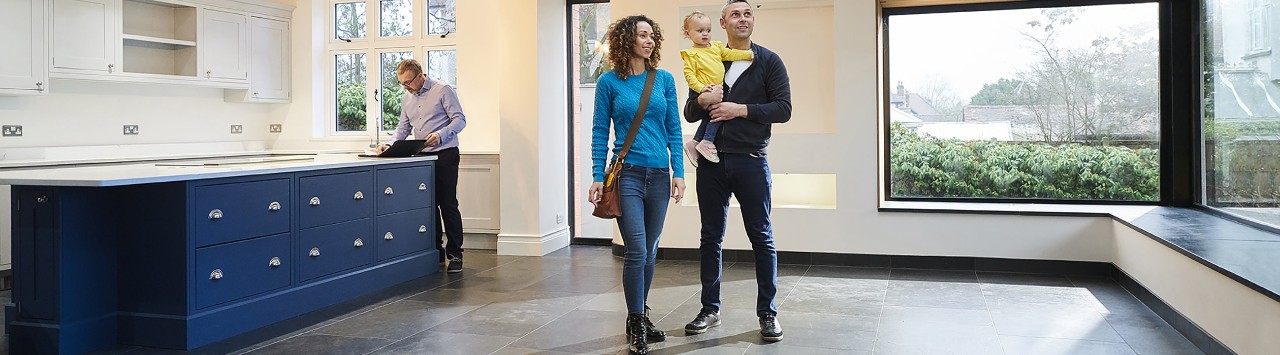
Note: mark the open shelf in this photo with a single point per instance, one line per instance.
(156, 41)
(159, 38)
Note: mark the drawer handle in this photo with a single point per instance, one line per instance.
(275, 206)
(315, 201)
(216, 274)
(275, 261)
(359, 242)
(388, 236)
(388, 191)
(315, 252)
(359, 195)
(215, 214)
(422, 228)
(422, 187)
(42, 199)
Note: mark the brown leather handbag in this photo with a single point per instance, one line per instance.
(609, 206)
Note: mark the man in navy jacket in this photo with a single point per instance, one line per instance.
(757, 94)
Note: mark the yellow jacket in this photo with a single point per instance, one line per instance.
(704, 66)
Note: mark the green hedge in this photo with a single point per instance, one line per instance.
(929, 167)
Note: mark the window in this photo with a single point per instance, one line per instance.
(1259, 24)
(1057, 104)
(354, 48)
(442, 17)
(1241, 109)
(588, 22)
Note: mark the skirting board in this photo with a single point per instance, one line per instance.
(533, 245)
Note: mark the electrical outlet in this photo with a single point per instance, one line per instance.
(131, 130)
(559, 218)
(12, 131)
(237, 129)
(276, 128)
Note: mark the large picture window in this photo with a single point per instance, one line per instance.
(1043, 104)
(1241, 110)
(365, 93)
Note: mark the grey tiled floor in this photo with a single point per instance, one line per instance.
(570, 302)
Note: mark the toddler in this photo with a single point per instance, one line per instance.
(704, 67)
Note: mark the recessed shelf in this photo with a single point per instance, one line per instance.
(145, 40)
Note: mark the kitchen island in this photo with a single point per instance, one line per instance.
(183, 253)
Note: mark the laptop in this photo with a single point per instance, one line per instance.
(401, 149)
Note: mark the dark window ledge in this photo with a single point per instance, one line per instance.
(1249, 255)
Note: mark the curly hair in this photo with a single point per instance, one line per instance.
(622, 42)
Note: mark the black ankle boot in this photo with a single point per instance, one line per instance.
(638, 342)
(655, 335)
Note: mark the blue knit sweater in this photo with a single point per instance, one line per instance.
(657, 145)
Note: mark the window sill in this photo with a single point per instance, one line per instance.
(1256, 54)
(1117, 211)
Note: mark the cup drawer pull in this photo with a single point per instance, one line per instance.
(314, 252)
(215, 214)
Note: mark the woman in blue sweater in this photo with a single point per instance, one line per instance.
(653, 171)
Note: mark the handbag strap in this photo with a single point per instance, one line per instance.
(635, 122)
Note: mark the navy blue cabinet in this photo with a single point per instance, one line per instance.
(184, 264)
(234, 211)
(405, 232)
(333, 248)
(245, 268)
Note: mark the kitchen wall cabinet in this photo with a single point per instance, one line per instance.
(224, 53)
(86, 35)
(269, 70)
(22, 63)
(237, 45)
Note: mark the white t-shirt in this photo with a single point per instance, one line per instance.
(735, 70)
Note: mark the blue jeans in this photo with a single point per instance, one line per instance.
(708, 131)
(644, 196)
(745, 176)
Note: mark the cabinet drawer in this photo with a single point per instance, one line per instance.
(328, 199)
(333, 248)
(230, 212)
(236, 270)
(405, 232)
(403, 189)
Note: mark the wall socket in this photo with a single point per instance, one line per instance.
(12, 131)
(131, 130)
(276, 128)
(559, 218)
(237, 129)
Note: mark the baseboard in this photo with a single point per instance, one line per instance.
(484, 241)
(533, 245)
(6, 279)
(1189, 329)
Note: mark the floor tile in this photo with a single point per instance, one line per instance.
(1015, 345)
(913, 330)
(933, 275)
(1053, 321)
(447, 344)
(322, 344)
(1148, 334)
(397, 320)
(935, 294)
(580, 331)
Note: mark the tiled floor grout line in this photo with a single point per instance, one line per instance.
(990, 317)
(1108, 321)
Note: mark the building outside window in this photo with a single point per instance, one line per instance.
(361, 100)
(1241, 110)
(1058, 104)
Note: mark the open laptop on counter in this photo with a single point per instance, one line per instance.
(401, 149)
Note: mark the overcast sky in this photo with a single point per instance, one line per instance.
(972, 48)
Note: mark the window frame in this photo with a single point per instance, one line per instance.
(1176, 120)
(372, 46)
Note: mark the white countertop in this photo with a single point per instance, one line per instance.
(119, 174)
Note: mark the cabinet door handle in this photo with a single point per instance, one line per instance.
(42, 199)
(275, 261)
(208, 74)
(422, 187)
(359, 195)
(255, 94)
(40, 87)
(275, 206)
(422, 228)
(216, 274)
(314, 252)
(359, 242)
(388, 236)
(111, 68)
(315, 201)
(215, 214)
(388, 191)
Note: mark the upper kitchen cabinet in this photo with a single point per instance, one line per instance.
(269, 67)
(86, 36)
(22, 64)
(224, 51)
(184, 42)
